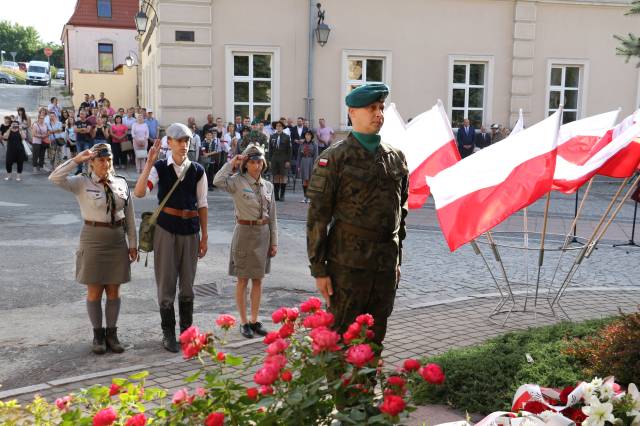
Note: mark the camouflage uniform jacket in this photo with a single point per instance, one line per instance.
(255, 138)
(358, 207)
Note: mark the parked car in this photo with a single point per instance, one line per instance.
(7, 78)
(60, 74)
(11, 65)
(38, 73)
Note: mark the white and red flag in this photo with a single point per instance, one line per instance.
(427, 142)
(615, 154)
(479, 192)
(578, 142)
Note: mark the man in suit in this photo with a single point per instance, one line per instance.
(297, 139)
(465, 138)
(483, 139)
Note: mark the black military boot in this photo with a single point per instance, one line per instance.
(185, 309)
(276, 189)
(168, 318)
(112, 341)
(283, 186)
(99, 345)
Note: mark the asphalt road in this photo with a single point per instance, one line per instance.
(14, 95)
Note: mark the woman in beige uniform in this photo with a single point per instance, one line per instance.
(103, 258)
(255, 237)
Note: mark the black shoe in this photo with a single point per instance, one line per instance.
(258, 329)
(283, 187)
(169, 341)
(99, 344)
(246, 331)
(112, 341)
(168, 317)
(185, 309)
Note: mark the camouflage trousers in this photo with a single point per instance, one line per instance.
(362, 291)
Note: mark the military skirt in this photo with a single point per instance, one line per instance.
(103, 256)
(250, 251)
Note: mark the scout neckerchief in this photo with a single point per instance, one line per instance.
(111, 199)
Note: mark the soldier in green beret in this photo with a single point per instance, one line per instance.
(356, 221)
(255, 137)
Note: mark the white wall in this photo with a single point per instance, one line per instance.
(83, 42)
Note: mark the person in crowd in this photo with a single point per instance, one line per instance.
(64, 117)
(262, 130)
(244, 135)
(255, 137)
(231, 137)
(6, 125)
(220, 129)
(238, 124)
(104, 257)
(128, 120)
(306, 158)
(496, 133)
(483, 139)
(71, 137)
(180, 236)
(356, 220)
(84, 105)
(195, 144)
(57, 141)
(40, 142)
(54, 107)
(118, 135)
(466, 138)
(209, 125)
(154, 128)
(297, 139)
(121, 112)
(223, 149)
(204, 157)
(92, 101)
(191, 124)
(25, 123)
(268, 128)
(325, 135)
(140, 136)
(101, 98)
(106, 104)
(307, 124)
(13, 136)
(84, 141)
(255, 236)
(93, 116)
(280, 152)
(287, 130)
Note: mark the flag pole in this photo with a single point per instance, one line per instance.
(498, 258)
(541, 253)
(477, 251)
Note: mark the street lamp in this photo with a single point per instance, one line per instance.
(322, 30)
(142, 19)
(129, 61)
(2, 52)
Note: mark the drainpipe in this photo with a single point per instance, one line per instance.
(309, 98)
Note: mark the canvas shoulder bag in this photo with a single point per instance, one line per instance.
(148, 223)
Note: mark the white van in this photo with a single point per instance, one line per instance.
(38, 73)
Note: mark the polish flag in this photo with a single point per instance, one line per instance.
(579, 141)
(428, 144)
(618, 152)
(479, 192)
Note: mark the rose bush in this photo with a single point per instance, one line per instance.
(309, 374)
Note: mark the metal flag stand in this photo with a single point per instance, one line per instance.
(631, 242)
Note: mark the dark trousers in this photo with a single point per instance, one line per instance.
(81, 145)
(361, 291)
(9, 165)
(38, 154)
(118, 158)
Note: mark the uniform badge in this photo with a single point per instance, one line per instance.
(323, 162)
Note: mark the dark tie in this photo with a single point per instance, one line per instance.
(111, 200)
(278, 142)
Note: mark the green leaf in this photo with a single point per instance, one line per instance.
(139, 376)
(119, 381)
(233, 360)
(195, 376)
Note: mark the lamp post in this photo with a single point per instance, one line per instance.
(129, 61)
(322, 30)
(2, 52)
(319, 34)
(142, 19)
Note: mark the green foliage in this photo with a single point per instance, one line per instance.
(26, 42)
(483, 379)
(20, 76)
(630, 45)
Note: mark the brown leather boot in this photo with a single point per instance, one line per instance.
(112, 340)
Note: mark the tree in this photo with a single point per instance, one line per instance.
(16, 38)
(630, 45)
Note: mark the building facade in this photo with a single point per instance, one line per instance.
(98, 37)
(485, 59)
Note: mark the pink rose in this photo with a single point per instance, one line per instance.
(365, 319)
(63, 403)
(252, 393)
(137, 420)
(353, 332)
(311, 305)
(114, 389)
(433, 374)
(271, 337)
(225, 321)
(214, 419)
(266, 390)
(324, 340)
(278, 361)
(266, 375)
(201, 392)
(292, 314)
(411, 365)
(182, 396)
(286, 330)
(359, 355)
(392, 405)
(105, 417)
(277, 347)
(279, 315)
(318, 319)
(192, 342)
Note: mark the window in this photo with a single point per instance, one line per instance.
(185, 36)
(468, 93)
(104, 8)
(564, 88)
(105, 57)
(252, 85)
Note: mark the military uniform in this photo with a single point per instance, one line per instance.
(254, 137)
(355, 228)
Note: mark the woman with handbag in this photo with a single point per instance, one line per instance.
(103, 258)
(118, 137)
(140, 136)
(57, 140)
(40, 143)
(14, 137)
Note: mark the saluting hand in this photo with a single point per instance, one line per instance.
(237, 161)
(154, 151)
(84, 156)
(324, 286)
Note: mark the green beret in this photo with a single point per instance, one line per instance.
(256, 121)
(366, 95)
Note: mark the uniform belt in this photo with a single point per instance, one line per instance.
(184, 214)
(252, 222)
(367, 234)
(104, 224)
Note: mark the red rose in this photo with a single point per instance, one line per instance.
(182, 396)
(318, 319)
(359, 355)
(433, 374)
(396, 381)
(278, 361)
(279, 315)
(278, 346)
(192, 342)
(392, 405)
(292, 313)
(214, 419)
(271, 337)
(311, 305)
(564, 395)
(574, 414)
(365, 319)
(63, 403)
(137, 420)
(286, 330)
(105, 417)
(536, 407)
(370, 334)
(411, 365)
(252, 393)
(225, 321)
(266, 390)
(221, 356)
(324, 340)
(286, 376)
(266, 375)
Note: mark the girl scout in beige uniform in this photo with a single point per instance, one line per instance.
(255, 237)
(103, 259)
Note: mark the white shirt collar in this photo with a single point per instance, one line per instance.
(184, 164)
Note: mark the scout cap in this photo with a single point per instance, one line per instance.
(254, 152)
(495, 126)
(102, 150)
(179, 131)
(366, 95)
